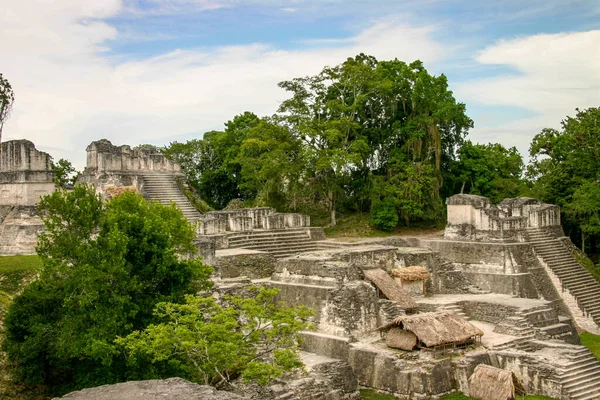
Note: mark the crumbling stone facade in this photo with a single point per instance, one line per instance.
(475, 218)
(25, 173)
(25, 176)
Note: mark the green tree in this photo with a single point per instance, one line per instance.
(65, 174)
(366, 121)
(105, 267)
(271, 165)
(490, 170)
(7, 98)
(211, 164)
(565, 169)
(213, 343)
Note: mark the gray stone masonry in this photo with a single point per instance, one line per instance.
(474, 218)
(574, 279)
(25, 173)
(165, 189)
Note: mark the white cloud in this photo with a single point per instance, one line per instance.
(69, 92)
(555, 73)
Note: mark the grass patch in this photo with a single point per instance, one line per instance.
(355, 225)
(193, 197)
(592, 342)
(368, 394)
(359, 225)
(15, 273)
(585, 261)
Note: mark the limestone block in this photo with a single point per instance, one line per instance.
(210, 226)
(233, 263)
(295, 220)
(240, 224)
(166, 389)
(274, 221)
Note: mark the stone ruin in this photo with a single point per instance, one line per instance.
(505, 270)
(25, 176)
(474, 218)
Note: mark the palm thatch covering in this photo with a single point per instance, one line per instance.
(489, 383)
(389, 287)
(436, 329)
(399, 339)
(414, 273)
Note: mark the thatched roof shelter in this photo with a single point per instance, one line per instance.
(414, 273)
(490, 383)
(389, 287)
(436, 329)
(399, 339)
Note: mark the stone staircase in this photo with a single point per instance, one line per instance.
(521, 344)
(580, 378)
(280, 243)
(163, 188)
(573, 277)
(546, 324)
(455, 308)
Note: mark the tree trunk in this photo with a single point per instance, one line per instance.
(582, 242)
(332, 209)
(462, 189)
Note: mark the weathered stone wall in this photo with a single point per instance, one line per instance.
(248, 219)
(25, 173)
(249, 263)
(507, 268)
(413, 377)
(474, 218)
(19, 229)
(536, 375)
(103, 156)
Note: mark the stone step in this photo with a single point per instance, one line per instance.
(579, 365)
(574, 376)
(584, 386)
(255, 234)
(282, 236)
(592, 395)
(556, 329)
(258, 242)
(271, 247)
(277, 248)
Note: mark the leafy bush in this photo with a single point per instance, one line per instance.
(384, 216)
(213, 343)
(105, 267)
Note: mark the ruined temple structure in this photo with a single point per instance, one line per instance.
(25, 176)
(500, 286)
(255, 231)
(144, 169)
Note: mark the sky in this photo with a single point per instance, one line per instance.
(157, 71)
